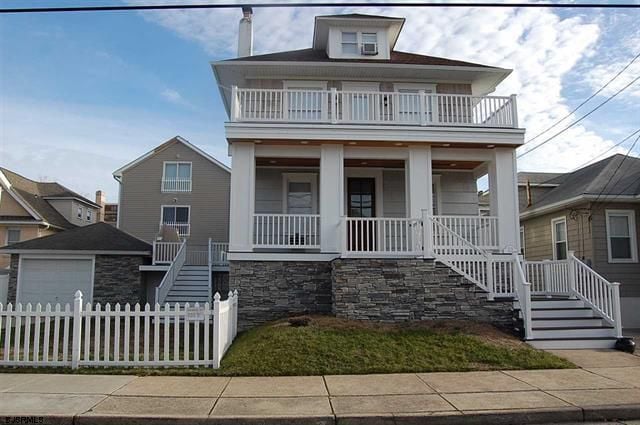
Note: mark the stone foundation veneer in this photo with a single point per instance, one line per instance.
(270, 290)
(385, 290)
(395, 290)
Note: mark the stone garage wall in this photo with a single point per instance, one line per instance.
(270, 290)
(13, 279)
(392, 290)
(117, 279)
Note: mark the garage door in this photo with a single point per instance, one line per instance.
(54, 280)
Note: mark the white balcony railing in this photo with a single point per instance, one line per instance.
(286, 231)
(382, 108)
(183, 229)
(481, 231)
(382, 236)
(165, 252)
(176, 185)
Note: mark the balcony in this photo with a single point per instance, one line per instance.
(182, 229)
(372, 108)
(176, 185)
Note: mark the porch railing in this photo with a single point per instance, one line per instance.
(219, 253)
(183, 229)
(382, 236)
(548, 277)
(165, 252)
(360, 107)
(286, 231)
(482, 231)
(172, 273)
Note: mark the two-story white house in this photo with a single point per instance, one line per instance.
(353, 185)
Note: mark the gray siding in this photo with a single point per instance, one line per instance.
(69, 208)
(458, 193)
(141, 197)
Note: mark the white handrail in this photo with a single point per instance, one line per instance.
(522, 289)
(172, 273)
(548, 277)
(482, 231)
(286, 231)
(597, 292)
(165, 252)
(362, 107)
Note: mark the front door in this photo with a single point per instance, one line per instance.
(361, 203)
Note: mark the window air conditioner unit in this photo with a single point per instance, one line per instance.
(369, 49)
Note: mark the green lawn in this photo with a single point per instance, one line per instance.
(334, 346)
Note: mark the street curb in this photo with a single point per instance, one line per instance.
(610, 412)
(96, 419)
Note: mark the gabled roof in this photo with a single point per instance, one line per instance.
(314, 55)
(615, 177)
(34, 196)
(358, 16)
(98, 237)
(165, 145)
(537, 178)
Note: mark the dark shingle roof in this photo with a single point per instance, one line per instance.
(540, 178)
(616, 175)
(95, 237)
(313, 55)
(36, 193)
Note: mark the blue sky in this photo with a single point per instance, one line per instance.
(83, 93)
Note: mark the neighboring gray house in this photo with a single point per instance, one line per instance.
(594, 212)
(172, 194)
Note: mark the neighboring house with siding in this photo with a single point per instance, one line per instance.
(31, 209)
(593, 212)
(172, 194)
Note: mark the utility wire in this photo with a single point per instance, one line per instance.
(586, 100)
(622, 192)
(321, 4)
(610, 98)
(616, 170)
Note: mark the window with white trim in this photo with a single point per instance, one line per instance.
(350, 43)
(621, 236)
(13, 236)
(559, 236)
(89, 215)
(369, 43)
(176, 176)
(177, 217)
(79, 213)
(300, 193)
(522, 240)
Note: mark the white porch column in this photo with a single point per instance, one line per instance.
(243, 180)
(420, 189)
(503, 195)
(331, 197)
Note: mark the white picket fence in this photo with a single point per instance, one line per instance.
(162, 336)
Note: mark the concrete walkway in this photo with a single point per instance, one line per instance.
(607, 387)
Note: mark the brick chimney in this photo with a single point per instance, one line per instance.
(101, 199)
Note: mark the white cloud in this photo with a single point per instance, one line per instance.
(174, 97)
(80, 146)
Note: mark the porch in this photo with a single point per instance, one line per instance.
(332, 200)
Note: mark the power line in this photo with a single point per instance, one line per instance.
(622, 192)
(586, 100)
(321, 4)
(610, 98)
(617, 169)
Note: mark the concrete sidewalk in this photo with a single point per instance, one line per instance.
(607, 387)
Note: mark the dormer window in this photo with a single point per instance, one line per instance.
(369, 43)
(350, 43)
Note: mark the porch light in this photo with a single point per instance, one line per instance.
(453, 164)
(491, 146)
(304, 142)
(398, 144)
(273, 161)
(352, 143)
(364, 163)
(446, 145)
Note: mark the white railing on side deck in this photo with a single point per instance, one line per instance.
(162, 335)
(172, 273)
(522, 289)
(597, 292)
(481, 231)
(361, 107)
(165, 252)
(176, 185)
(182, 229)
(197, 255)
(382, 236)
(219, 253)
(286, 231)
(548, 277)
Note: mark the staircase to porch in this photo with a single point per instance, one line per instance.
(191, 286)
(560, 304)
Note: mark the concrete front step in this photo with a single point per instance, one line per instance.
(572, 343)
(563, 322)
(573, 332)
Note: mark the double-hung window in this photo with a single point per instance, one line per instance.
(559, 235)
(89, 215)
(621, 236)
(13, 236)
(300, 193)
(176, 217)
(350, 43)
(79, 213)
(176, 177)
